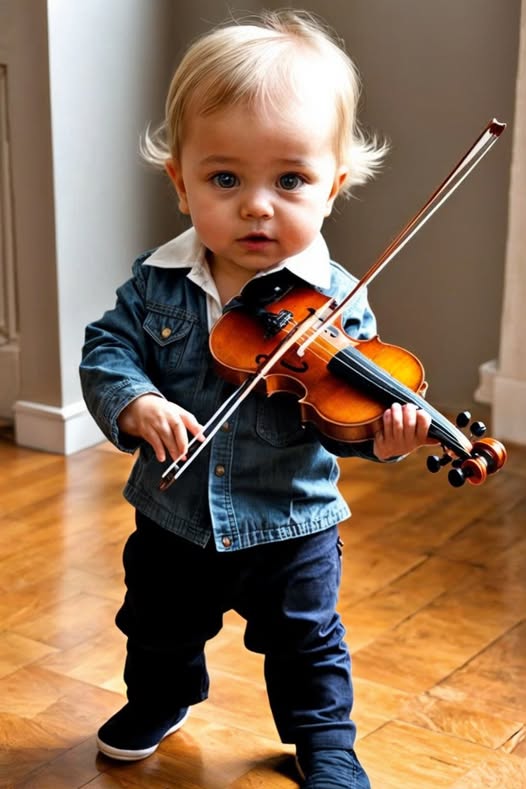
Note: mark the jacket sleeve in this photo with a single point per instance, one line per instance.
(113, 365)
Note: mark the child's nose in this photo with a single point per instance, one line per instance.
(256, 204)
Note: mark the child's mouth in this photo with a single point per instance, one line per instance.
(255, 240)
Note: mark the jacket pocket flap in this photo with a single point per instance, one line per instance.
(165, 329)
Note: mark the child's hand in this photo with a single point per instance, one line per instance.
(161, 423)
(404, 429)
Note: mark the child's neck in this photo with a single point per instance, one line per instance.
(229, 281)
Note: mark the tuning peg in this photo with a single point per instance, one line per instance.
(457, 477)
(478, 429)
(434, 462)
(463, 419)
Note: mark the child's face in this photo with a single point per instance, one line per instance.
(257, 185)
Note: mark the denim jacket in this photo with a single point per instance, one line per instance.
(264, 477)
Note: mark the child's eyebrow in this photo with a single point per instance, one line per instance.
(219, 159)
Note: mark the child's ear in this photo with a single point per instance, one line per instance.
(339, 179)
(175, 175)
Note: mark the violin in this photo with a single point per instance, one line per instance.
(343, 385)
(293, 341)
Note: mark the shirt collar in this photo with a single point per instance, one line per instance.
(186, 251)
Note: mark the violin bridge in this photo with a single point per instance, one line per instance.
(274, 322)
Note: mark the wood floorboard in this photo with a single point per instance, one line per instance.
(433, 599)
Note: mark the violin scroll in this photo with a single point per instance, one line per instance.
(487, 456)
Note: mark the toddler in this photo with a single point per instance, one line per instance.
(260, 138)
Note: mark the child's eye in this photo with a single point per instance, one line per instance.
(225, 180)
(290, 181)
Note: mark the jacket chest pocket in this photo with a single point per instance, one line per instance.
(171, 336)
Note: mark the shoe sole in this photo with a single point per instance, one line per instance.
(123, 755)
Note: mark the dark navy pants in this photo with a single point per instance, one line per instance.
(177, 594)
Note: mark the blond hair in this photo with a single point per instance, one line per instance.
(259, 64)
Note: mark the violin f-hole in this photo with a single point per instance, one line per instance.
(299, 368)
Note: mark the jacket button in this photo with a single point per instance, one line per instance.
(225, 427)
(165, 333)
(219, 471)
(227, 542)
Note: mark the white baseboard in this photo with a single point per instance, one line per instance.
(507, 397)
(61, 430)
(509, 409)
(486, 389)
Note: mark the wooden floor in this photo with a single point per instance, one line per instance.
(433, 597)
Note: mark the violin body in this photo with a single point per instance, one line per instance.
(337, 408)
(343, 386)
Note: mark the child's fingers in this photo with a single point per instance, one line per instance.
(406, 422)
(423, 423)
(166, 433)
(409, 421)
(154, 436)
(180, 422)
(404, 428)
(392, 422)
(191, 424)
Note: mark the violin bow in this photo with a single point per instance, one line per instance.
(460, 172)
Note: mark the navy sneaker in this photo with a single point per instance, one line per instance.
(331, 768)
(133, 734)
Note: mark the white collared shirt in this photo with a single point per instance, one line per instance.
(187, 251)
